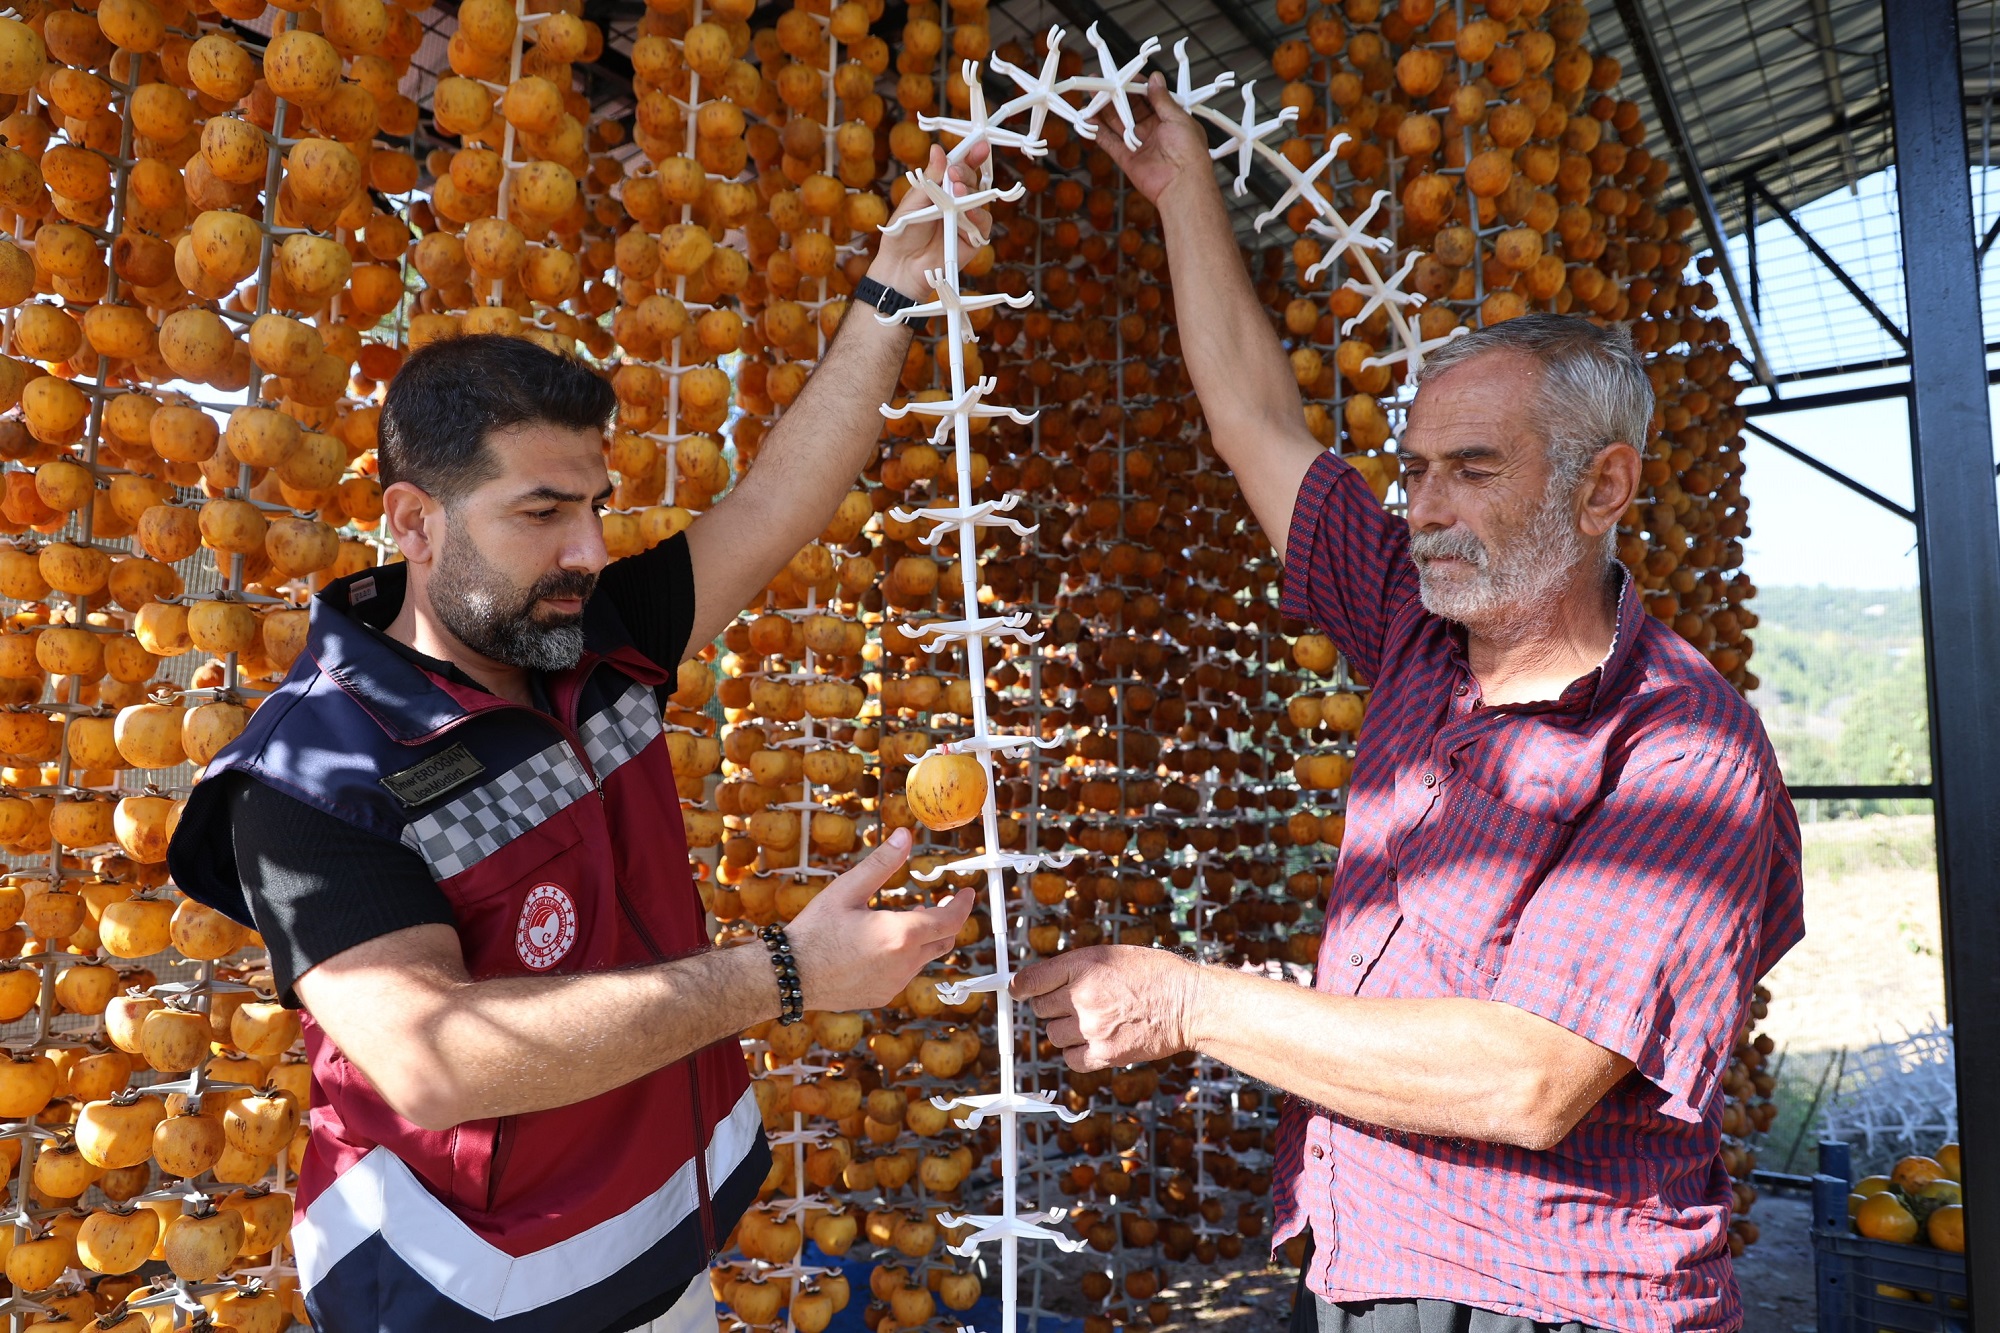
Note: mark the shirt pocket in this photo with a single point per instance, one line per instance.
(1475, 872)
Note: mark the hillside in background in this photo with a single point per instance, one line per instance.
(1841, 683)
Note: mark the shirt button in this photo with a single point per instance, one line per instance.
(1430, 780)
(1459, 691)
(1319, 1152)
(1354, 960)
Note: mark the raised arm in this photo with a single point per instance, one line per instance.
(1241, 374)
(812, 456)
(443, 1049)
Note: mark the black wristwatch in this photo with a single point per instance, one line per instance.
(886, 300)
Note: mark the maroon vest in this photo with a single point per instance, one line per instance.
(558, 841)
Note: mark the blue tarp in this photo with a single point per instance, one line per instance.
(983, 1317)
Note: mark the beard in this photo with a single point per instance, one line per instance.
(1513, 584)
(495, 617)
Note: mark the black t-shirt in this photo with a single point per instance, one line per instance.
(318, 886)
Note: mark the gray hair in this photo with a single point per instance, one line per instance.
(1594, 390)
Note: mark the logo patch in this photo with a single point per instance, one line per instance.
(547, 928)
(447, 770)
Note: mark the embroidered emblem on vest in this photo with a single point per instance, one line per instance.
(445, 771)
(548, 927)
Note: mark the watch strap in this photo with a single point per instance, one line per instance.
(885, 299)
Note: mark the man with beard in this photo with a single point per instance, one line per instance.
(1569, 853)
(457, 829)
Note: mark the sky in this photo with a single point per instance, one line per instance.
(1806, 529)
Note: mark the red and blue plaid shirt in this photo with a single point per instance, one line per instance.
(1623, 861)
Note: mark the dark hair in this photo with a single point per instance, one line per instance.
(451, 395)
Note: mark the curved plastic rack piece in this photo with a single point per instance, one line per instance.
(1346, 235)
(1007, 745)
(1114, 86)
(1014, 861)
(951, 303)
(985, 514)
(1414, 353)
(1300, 184)
(945, 201)
(1243, 137)
(1025, 1226)
(1039, 94)
(977, 127)
(994, 1103)
(1012, 627)
(970, 402)
(1384, 291)
(1185, 93)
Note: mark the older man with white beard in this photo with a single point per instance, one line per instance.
(1569, 852)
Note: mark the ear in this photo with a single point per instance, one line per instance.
(1609, 488)
(412, 516)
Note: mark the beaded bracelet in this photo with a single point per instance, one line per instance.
(791, 998)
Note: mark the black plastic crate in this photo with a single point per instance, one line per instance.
(1869, 1285)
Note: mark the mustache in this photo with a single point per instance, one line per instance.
(1452, 543)
(563, 583)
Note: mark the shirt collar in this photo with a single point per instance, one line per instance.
(347, 641)
(412, 695)
(1624, 639)
(1587, 691)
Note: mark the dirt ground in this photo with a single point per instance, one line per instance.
(1868, 969)
(1776, 1274)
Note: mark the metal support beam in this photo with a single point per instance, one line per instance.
(1958, 554)
(1669, 112)
(1082, 13)
(1863, 791)
(1836, 97)
(1868, 393)
(1249, 26)
(1830, 472)
(1750, 239)
(1832, 266)
(1986, 241)
(1855, 118)
(1871, 393)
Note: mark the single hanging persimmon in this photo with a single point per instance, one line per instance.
(118, 1132)
(947, 790)
(199, 1245)
(117, 1240)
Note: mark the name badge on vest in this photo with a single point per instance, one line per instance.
(445, 771)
